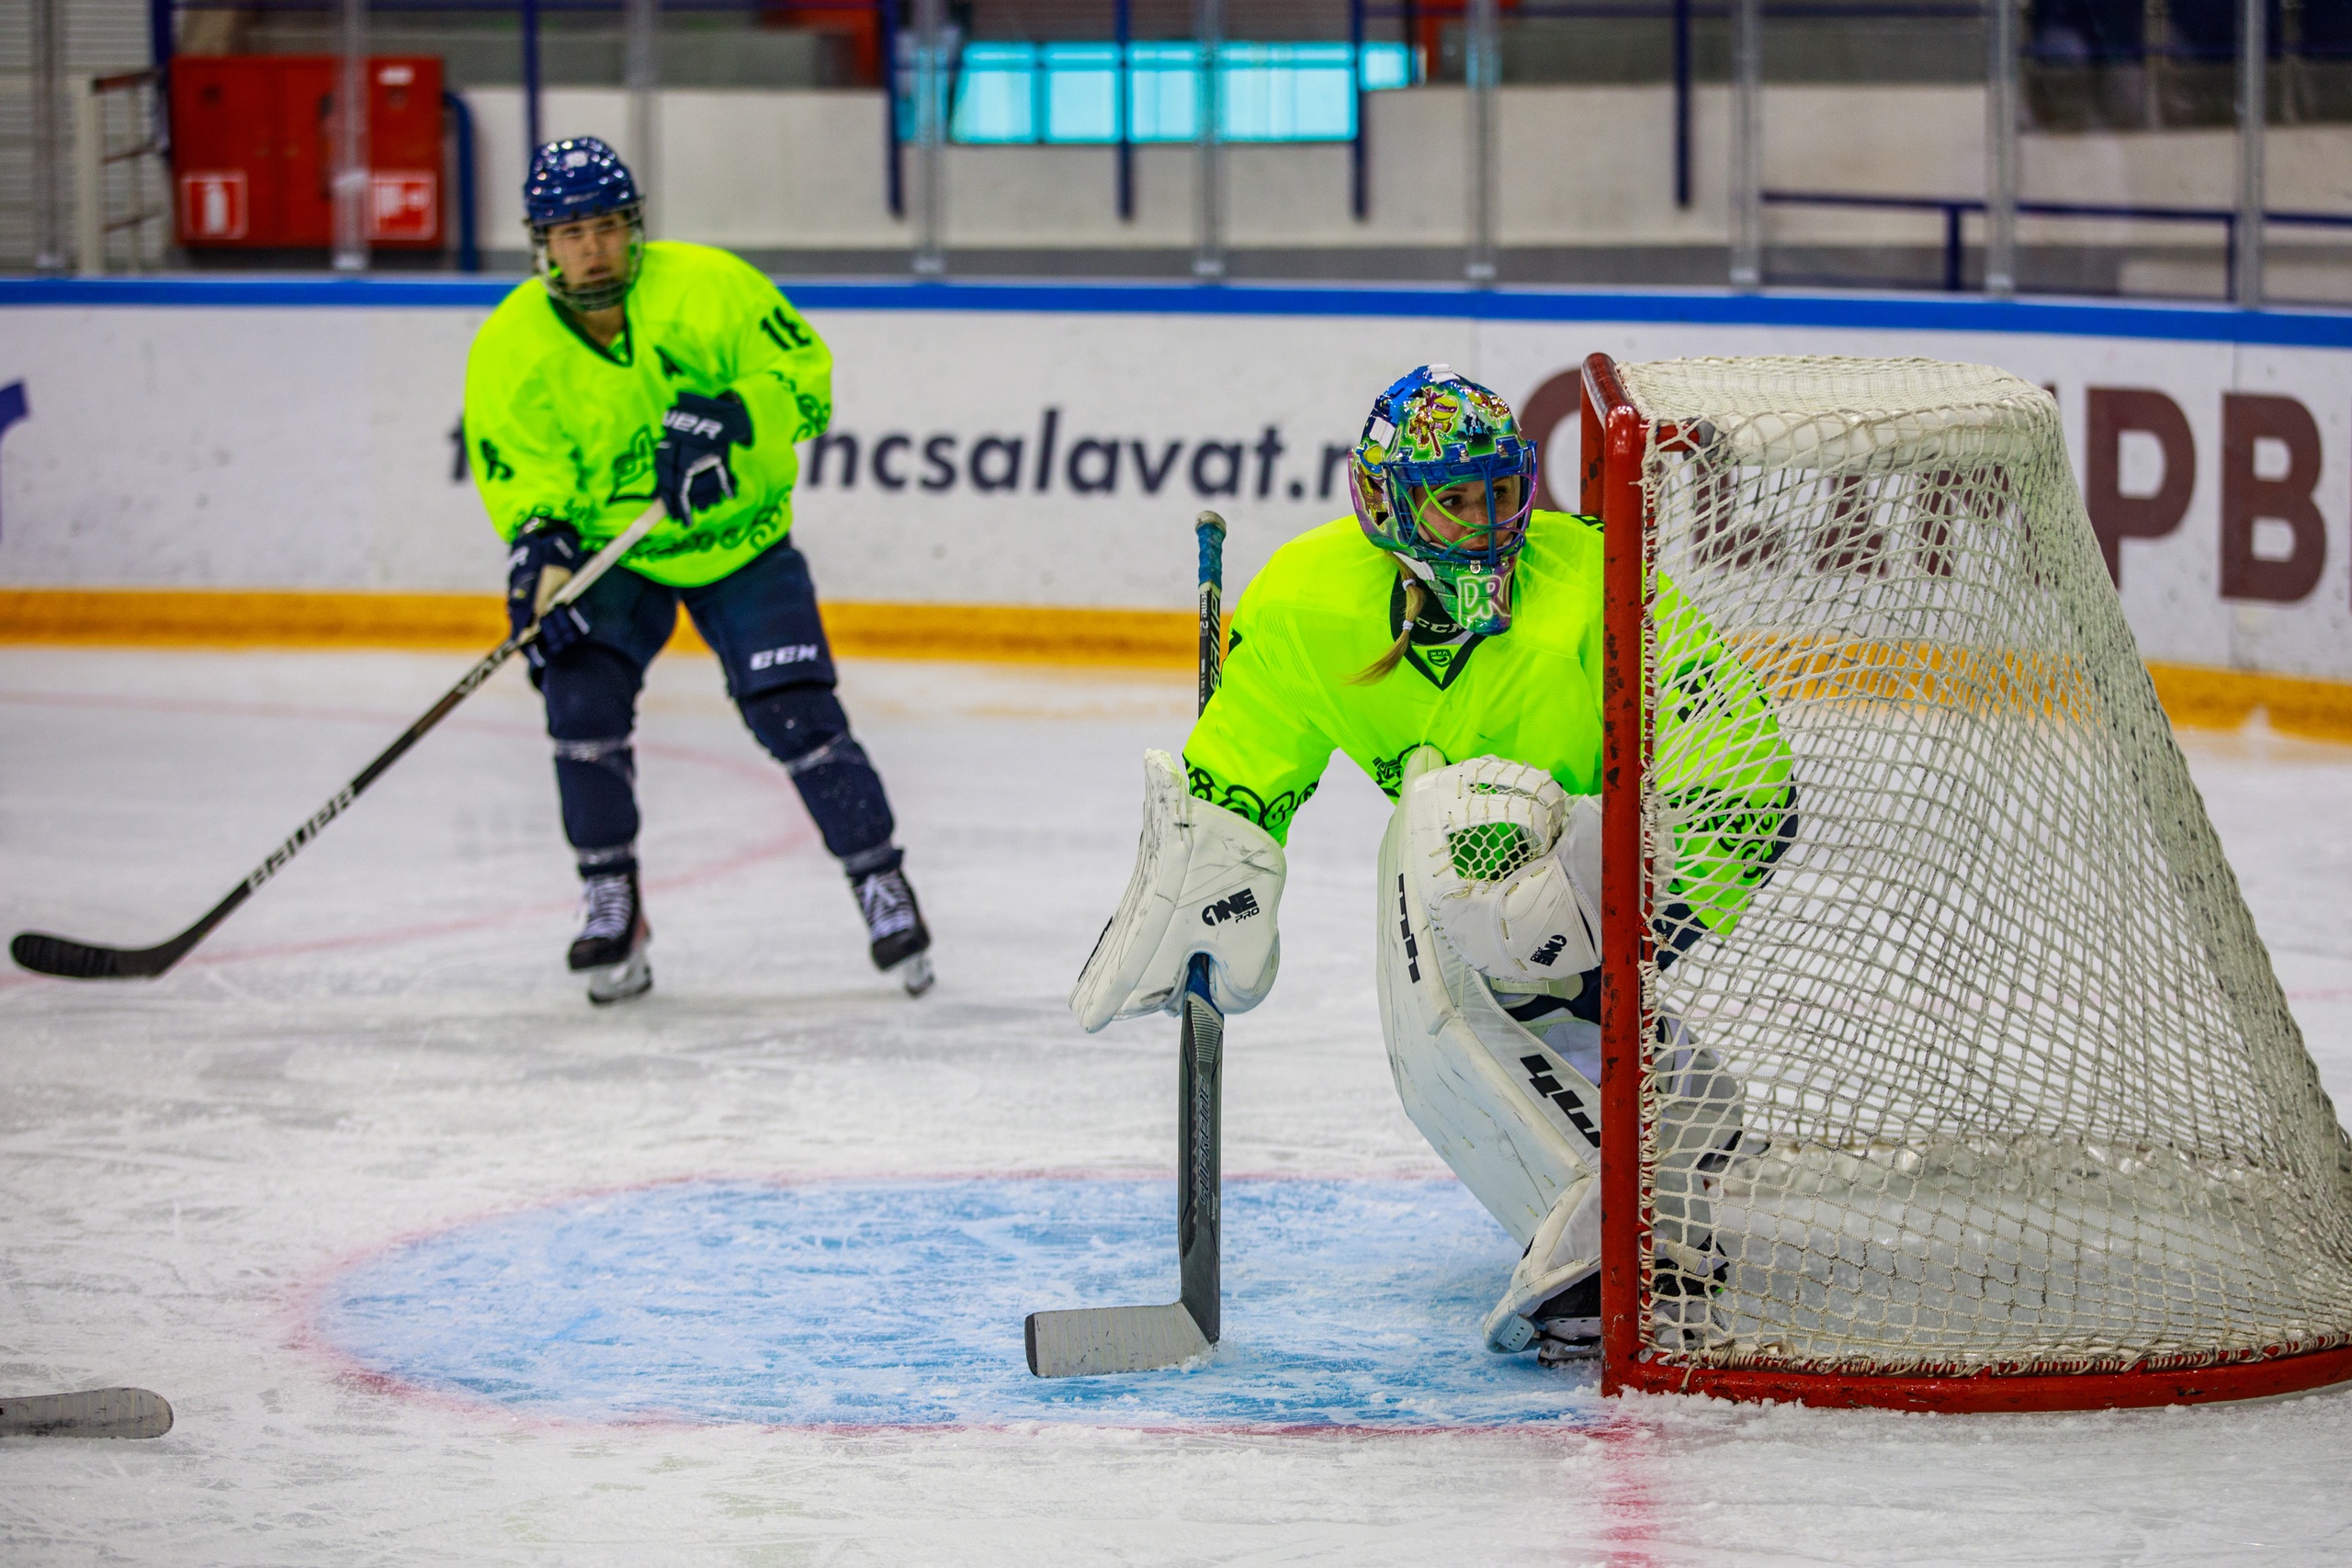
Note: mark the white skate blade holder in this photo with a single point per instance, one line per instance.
(632, 976)
(1092, 1341)
(914, 973)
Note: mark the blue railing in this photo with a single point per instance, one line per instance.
(1954, 208)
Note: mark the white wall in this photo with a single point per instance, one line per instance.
(1578, 166)
(311, 447)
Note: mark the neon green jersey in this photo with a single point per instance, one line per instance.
(558, 427)
(1328, 604)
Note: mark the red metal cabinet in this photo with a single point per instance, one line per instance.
(252, 150)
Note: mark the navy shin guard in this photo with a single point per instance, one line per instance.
(805, 728)
(591, 708)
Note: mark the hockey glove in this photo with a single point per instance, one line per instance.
(690, 468)
(1206, 880)
(545, 555)
(1509, 867)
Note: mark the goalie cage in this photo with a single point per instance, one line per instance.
(2026, 1123)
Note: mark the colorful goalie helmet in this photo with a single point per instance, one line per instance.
(570, 181)
(1430, 430)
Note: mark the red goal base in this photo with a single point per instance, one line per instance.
(1989, 1392)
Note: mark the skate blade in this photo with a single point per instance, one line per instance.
(914, 974)
(633, 977)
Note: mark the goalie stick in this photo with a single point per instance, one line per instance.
(93, 1413)
(71, 960)
(1091, 1340)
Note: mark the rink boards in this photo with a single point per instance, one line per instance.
(1014, 466)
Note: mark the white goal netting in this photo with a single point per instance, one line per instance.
(2020, 1090)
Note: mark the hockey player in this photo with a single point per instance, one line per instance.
(1448, 639)
(627, 371)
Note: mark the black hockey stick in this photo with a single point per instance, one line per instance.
(1091, 1340)
(94, 1413)
(71, 960)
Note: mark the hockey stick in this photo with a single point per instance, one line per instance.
(94, 1413)
(1093, 1340)
(72, 960)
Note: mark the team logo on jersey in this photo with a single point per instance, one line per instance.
(633, 469)
(1240, 906)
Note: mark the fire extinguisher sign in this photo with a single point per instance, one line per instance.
(213, 205)
(405, 205)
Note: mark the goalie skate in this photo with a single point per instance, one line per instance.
(610, 948)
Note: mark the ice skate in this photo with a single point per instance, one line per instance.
(901, 942)
(1567, 1327)
(610, 948)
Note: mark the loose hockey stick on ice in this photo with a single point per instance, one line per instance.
(72, 960)
(1140, 1338)
(94, 1413)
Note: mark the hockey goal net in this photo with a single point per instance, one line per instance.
(2023, 1121)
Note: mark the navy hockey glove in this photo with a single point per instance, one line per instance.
(545, 555)
(690, 468)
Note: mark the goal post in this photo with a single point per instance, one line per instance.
(2001, 1104)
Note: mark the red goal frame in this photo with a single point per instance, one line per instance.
(1614, 446)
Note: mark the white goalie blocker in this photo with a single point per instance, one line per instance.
(1488, 915)
(1206, 881)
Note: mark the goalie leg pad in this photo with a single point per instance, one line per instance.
(1505, 1109)
(1206, 881)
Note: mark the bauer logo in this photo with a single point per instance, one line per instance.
(1240, 906)
(1549, 953)
(797, 653)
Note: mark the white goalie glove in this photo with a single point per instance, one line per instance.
(1206, 880)
(1508, 864)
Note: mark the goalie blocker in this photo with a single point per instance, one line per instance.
(1206, 881)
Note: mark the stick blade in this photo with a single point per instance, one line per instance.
(93, 1413)
(70, 960)
(1091, 1341)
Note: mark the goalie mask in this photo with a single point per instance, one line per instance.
(1442, 478)
(574, 181)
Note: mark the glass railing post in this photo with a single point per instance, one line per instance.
(931, 134)
(1747, 147)
(2254, 84)
(350, 181)
(1208, 251)
(2001, 150)
(1481, 63)
(641, 69)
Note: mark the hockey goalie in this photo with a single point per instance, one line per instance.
(1448, 639)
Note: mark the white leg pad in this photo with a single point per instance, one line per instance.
(1503, 1108)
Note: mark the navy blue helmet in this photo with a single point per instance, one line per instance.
(577, 177)
(574, 179)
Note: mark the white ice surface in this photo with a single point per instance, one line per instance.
(385, 1042)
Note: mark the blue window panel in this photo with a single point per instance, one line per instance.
(1081, 92)
(996, 94)
(1286, 92)
(1020, 94)
(1386, 65)
(1164, 91)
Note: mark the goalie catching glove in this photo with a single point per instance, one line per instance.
(1508, 864)
(1207, 881)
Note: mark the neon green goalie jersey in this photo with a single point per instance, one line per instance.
(558, 427)
(1328, 604)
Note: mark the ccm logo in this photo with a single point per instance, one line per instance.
(1240, 906)
(797, 653)
(1548, 953)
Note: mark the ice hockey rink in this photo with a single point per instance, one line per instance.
(437, 1263)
